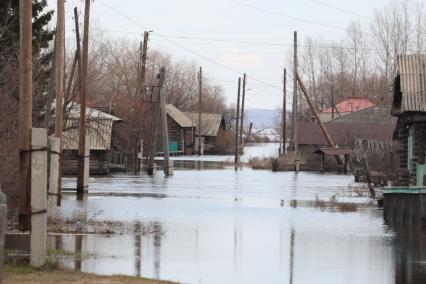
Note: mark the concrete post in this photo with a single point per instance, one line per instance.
(86, 165)
(170, 170)
(38, 197)
(55, 145)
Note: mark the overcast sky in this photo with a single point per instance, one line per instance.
(250, 36)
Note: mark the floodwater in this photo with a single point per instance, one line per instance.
(214, 225)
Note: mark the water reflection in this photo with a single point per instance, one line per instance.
(221, 226)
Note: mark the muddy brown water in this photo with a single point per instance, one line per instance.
(214, 225)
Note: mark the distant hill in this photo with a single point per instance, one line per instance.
(261, 118)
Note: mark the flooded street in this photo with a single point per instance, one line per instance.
(215, 225)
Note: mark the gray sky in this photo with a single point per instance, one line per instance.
(251, 36)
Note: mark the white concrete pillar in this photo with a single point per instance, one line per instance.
(86, 165)
(52, 198)
(38, 197)
(171, 165)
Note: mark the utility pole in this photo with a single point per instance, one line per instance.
(237, 120)
(143, 65)
(332, 102)
(141, 92)
(164, 120)
(25, 112)
(242, 111)
(50, 90)
(200, 85)
(59, 68)
(59, 85)
(78, 51)
(324, 130)
(284, 114)
(83, 99)
(294, 115)
(154, 129)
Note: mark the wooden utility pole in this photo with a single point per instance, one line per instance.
(143, 64)
(294, 107)
(237, 120)
(284, 113)
(25, 112)
(324, 130)
(294, 115)
(154, 128)
(59, 84)
(59, 68)
(78, 50)
(50, 89)
(83, 99)
(242, 111)
(332, 102)
(164, 127)
(200, 85)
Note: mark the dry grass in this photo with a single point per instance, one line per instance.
(24, 274)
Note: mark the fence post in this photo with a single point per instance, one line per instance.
(38, 197)
(55, 145)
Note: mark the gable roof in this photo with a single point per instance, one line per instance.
(210, 122)
(372, 114)
(91, 113)
(344, 133)
(412, 83)
(351, 105)
(178, 116)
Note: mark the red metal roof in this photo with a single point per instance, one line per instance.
(351, 105)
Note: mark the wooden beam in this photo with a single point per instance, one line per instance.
(324, 130)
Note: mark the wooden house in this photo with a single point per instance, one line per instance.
(212, 126)
(373, 126)
(345, 107)
(100, 129)
(409, 106)
(181, 131)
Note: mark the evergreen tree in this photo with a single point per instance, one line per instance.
(9, 25)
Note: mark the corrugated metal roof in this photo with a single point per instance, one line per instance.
(178, 116)
(91, 113)
(351, 105)
(371, 114)
(413, 82)
(98, 132)
(344, 134)
(210, 122)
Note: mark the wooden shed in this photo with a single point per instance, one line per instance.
(181, 131)
(100, 128)
(212, 126)
(409, 106)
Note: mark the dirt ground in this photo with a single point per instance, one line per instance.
(27, 275)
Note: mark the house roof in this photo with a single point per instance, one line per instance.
(178, 116)
(371, 114)
(210, 122)
(91, 113)
(344, 133)
(99, 129)
(412, 72)
(98, 132)
(351, 105)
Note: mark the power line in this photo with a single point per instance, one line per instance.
(338, 9)
(284, 15)
(181, 46)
